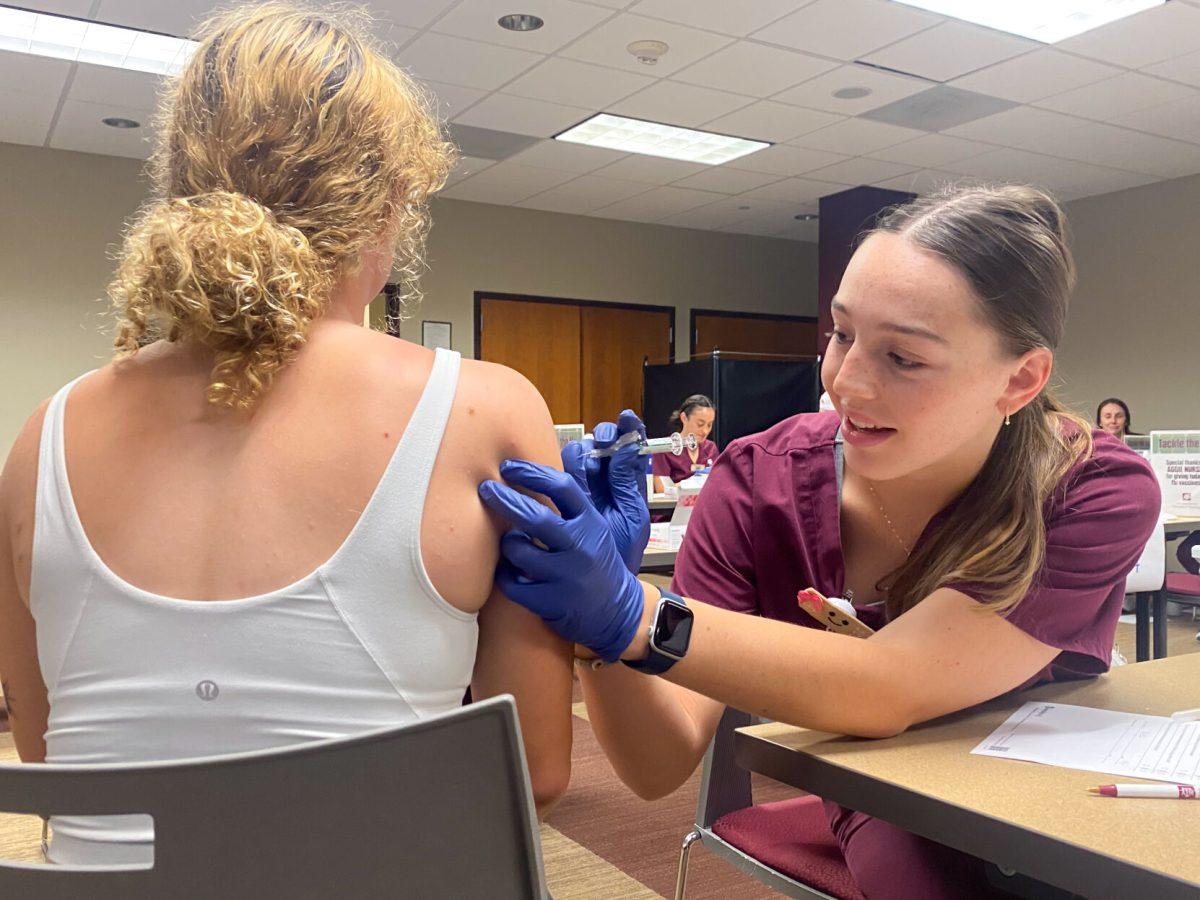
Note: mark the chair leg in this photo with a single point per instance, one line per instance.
(681, 878)
(1142, 627)
(1159, 602)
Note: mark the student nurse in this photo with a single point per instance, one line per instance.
(982, 529)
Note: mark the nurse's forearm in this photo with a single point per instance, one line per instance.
(801, 676)
(645, 727)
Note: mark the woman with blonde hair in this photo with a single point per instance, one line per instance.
(983, 531)
(259, 524)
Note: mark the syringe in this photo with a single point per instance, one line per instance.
(674, 444)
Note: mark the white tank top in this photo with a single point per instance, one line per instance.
(363, 642)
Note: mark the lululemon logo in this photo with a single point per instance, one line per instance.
(207, 690)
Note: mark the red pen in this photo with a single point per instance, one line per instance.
(1162, 791)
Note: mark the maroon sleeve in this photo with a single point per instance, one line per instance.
(716, 562)
(1094, 537)
(659, 465)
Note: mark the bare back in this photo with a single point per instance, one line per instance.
(188, 501)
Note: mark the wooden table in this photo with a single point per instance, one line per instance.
(1152, 605)
(1038, 820)
(20, 836)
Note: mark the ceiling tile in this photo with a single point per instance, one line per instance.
(931, 151)
(585, 194)
(1015, 165)
(679, 104)
(924, 181)
(466, 166)
(77, 8)
(1151, 36)
(453, 99)
(884, 87)
(564, 21)
(754, 69)
(651, 169)
(738, 19)
(1035, 75)
(573, 83)
(1120, 148)
(1179, 119)
(770, 121)
(520, 115)
(846, 29)
(1126, 93)
(1181, 68)
(179, 17)
(657, 203)
(1024, 126)
(79, 128)
(950, 50)
(567, 157)
(768, 222)
(506, 183)
(704, 218)
(725, 180)
(860, 171)
(397, 36)
(606, 44)
(857, 137)
(439, 57)
(784, 159)
(795, 191)
(744, 206)
(26, 118)
(104, 84)
(36, 75)
(413, 13)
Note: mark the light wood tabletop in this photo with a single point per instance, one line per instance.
(1038, 820)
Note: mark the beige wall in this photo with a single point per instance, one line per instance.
(1134, 329)
(62, 213)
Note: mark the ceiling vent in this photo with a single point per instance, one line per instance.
(938, 108)
(484, 143)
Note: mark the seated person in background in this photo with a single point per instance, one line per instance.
(695, 416)
(263, 528)
(1113, 416)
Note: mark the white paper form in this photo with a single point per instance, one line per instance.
(1099, 740)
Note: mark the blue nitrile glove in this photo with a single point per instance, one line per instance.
(616, 484)
(579, 586)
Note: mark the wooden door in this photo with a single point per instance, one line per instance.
(776, 335)
(542, 342)
(615, 344)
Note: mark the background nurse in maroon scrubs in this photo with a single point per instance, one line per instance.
(985, 531)
(696, 416)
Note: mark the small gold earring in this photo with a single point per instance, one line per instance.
(1007, 419)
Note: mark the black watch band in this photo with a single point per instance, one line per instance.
(670, 634)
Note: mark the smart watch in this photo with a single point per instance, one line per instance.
(670, 634)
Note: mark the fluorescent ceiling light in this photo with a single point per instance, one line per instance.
(1048, 21)
(655, 139)
(61, 37)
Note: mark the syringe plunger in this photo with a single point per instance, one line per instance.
(674, 444)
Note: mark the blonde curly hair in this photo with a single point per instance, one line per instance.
(288, 146)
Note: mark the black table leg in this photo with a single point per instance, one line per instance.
(1142, 626)
(1160, 624)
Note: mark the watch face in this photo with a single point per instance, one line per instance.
(673, 628)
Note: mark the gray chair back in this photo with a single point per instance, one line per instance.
(436, 808)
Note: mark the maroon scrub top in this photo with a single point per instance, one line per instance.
(767, 524)
(677, 468)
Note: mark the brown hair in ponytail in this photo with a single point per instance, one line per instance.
(692, 403)
(1010, 243)
(288, 146)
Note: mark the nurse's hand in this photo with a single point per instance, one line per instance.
(616, 484)
(579, 585)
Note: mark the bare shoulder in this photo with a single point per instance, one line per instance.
(19, 477)
(505, 404)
